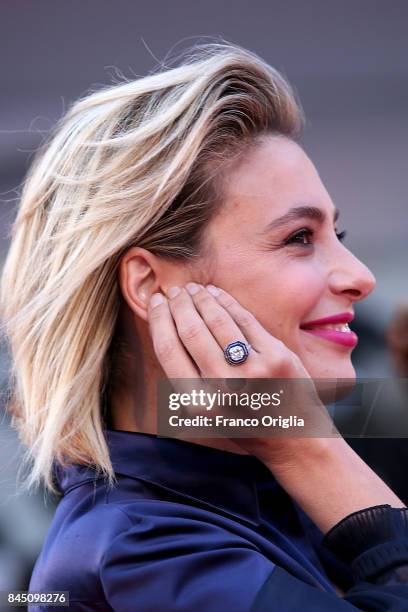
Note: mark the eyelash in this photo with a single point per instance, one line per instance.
(309, 232)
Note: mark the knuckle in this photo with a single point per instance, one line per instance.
(258, 369)
(190, 331)
(156, 313)
(245, 318)
(212, 372)
(165, 350)
(228, 301)
(284, 361)
(262, 371)
(217, 320)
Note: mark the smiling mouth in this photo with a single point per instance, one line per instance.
(339, 333)
(341, 327)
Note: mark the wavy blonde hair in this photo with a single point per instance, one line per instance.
(136, 163)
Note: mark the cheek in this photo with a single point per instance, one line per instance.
(300, 289)
(297, 292)
(279, 293)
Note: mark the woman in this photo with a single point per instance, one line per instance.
(167, 218)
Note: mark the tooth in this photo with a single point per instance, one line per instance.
(341, 327)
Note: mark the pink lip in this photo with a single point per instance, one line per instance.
(342, 317)
(345, 338)
(349, 338)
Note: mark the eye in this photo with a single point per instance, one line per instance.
(303, 236)
(300, 237)
(341, 235)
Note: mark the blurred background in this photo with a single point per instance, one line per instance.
(348, 63)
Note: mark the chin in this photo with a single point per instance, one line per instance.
(335, 382)
(327, 365)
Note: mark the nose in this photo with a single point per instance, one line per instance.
(350, 277)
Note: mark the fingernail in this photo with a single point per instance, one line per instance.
(156, 299)
(213, 290)
(193, 288)
(173, 291)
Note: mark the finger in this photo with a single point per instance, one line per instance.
(167, 345)
(172, 355)
(249, 325)
(218, 320)
(196, 337)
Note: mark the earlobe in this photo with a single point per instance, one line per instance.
(137, 302)
(143, 303)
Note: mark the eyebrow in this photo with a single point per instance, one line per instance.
(300, 212)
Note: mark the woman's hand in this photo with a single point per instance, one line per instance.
(189, 332)
(199, 322)
(325, 476)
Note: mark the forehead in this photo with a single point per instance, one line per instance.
(272, 178)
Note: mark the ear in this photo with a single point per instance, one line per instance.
(140, 274)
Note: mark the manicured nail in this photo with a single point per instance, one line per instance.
(193, 288)
(156, 299)
(173, 291)
(213, 290)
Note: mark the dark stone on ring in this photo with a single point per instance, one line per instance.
(236, 352)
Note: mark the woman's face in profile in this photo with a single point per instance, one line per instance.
(291, 272)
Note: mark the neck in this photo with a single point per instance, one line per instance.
(133, 401)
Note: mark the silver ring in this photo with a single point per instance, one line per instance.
(236, 352)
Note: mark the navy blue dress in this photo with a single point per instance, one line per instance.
(193, 528)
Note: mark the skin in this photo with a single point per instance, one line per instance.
(268, 289)
(282, 285)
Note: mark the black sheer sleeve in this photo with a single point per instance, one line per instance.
(373, 542)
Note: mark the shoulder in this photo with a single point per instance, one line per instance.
(74, 547)
(180, 554)
(154, 552)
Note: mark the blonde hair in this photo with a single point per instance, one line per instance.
(132, 164)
